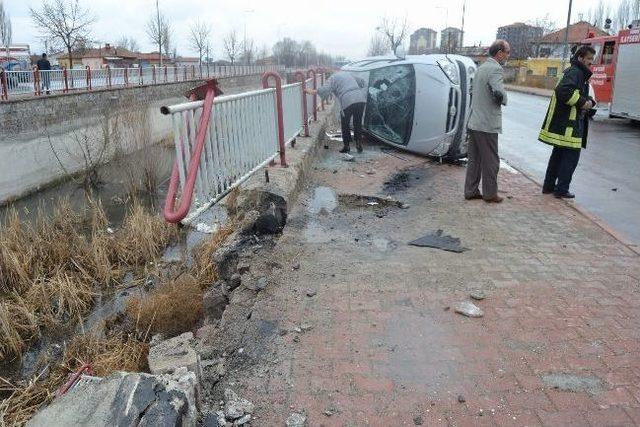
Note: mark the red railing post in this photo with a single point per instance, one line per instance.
(108, 76)
(321, 71)
(311, 73)
(305, 114)
(153, 72)
(126, 76)
(88, 77)
(265, 84)
(170, 213)
(36, 81)
(65, 76)
(4, 85)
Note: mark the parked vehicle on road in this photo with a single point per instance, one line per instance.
(419, 103)
(615, 72)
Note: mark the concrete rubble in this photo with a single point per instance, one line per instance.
(122, 399)
(469, 309)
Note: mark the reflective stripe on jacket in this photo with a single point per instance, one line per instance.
(565, 124)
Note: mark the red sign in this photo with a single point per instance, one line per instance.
(630, 36)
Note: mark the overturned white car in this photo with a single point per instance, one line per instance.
(419, 103)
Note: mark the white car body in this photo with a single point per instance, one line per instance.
(420, 103)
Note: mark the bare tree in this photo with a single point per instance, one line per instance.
(231, 45)
(395, 30)
(263, 53)
(623, 15)
(635, 9)
(128, 43)
(286, 51)
(6, 34)
(159, 31)
(546, 23)
(64, 22)
(199, 34)
(248, 51)
(377, 46)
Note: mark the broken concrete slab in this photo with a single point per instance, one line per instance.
(438, 240)
(172, 354)
(478, 294)
(214, 302)
(122, 399)
(236, 407)
(468, 309)
(226, 259)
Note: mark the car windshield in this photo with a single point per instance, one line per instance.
(390, 103)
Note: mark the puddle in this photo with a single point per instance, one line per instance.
(361, 201)
(574, 383)
(324, 201)
(315, 233)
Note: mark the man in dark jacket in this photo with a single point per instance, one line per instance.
(566, 124)
(44, 66)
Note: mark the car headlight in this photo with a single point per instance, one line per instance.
(450, 70)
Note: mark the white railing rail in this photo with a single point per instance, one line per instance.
(42, 82)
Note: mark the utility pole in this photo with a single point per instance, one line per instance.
(159, 32)
(464, 9)
(566, 38)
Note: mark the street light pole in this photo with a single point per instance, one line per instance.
(566, 38)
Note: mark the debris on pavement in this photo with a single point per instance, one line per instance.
(438, 240)
(417, 420)
(295, 266)
(206, 228)
(311, 293)
(477, 294)
(461, 398)
(348, 157)
(468, 309)
(334, 136)
(296, 420)
(236, 407)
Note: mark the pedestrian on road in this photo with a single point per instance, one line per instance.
(45, 65)
(566, 124)
(485, 123)
(351, 95)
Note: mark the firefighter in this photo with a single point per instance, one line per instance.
(566, 124)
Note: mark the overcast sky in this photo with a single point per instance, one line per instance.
(340, 28)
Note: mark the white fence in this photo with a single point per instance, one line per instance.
(242, 137)
(24, 83)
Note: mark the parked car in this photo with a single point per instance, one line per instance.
(419, 103)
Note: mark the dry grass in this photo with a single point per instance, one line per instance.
(119, 353)
(51, 270)
(18, 326)
(143, 237)
(60, 298)
(175, 307)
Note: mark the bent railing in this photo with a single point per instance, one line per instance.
(221, 141)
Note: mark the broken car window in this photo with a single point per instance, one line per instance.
(390, 103)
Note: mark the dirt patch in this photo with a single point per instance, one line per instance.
(405, 179)
(363, 201)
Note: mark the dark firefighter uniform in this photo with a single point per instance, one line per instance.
(566, 126)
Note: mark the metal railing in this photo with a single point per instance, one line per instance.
(42, 82)
(221, 141)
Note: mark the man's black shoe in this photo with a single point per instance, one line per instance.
(566, 195)
(345, 150)
(545, 191)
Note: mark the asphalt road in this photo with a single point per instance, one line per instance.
(611, 161)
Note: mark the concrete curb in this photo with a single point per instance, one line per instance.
(602, 224)
(544, 93)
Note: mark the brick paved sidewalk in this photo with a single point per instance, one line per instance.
(559, 343)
